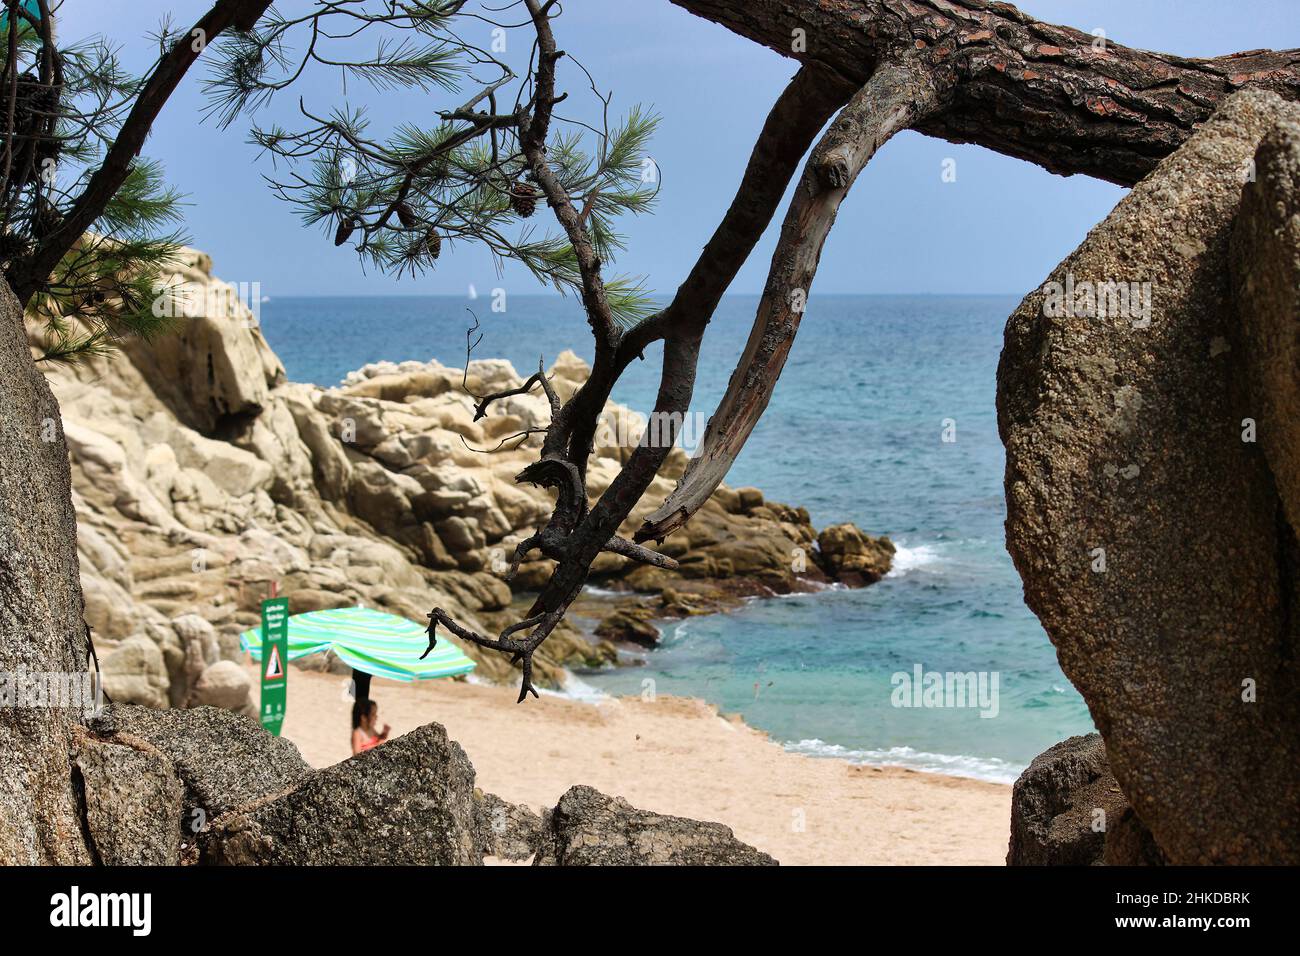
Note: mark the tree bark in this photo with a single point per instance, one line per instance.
(1052, 95)
(41, 627)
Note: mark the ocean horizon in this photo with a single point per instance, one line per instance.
(885, 417)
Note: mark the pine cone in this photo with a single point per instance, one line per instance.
(433, 242)
(346, 228)
(406, 215)
(34, 103)
(523, 200)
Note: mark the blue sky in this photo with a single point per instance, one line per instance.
(999, 228)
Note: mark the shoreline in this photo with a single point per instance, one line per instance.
(677, 755)
(811, 747)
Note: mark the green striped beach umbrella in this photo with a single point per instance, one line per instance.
(369, 641)
(31, 6)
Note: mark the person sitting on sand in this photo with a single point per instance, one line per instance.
(365, 716)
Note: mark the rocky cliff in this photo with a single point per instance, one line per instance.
(201, 475)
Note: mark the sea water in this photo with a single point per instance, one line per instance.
(884, 416)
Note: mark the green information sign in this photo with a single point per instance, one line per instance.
(275, 662)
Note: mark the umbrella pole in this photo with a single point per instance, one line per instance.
(360, 685)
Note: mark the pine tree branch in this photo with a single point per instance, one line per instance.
(28, 275)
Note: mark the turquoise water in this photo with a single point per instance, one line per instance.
(855, 433)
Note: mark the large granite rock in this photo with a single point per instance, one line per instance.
(410, 801)
(851, 556)
(216, 368)
(1146, 530)
(588, 828)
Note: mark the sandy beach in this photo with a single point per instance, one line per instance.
(677, 755)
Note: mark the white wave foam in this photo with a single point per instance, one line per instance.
(575, 688)
(814, 587)
(592, 591)
(954, 765)
(909, 559)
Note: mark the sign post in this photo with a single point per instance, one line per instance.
(275, 662)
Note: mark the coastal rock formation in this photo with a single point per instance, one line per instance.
(200, 477)
(1143, 516)
(634, 625)
(848, 554)
(588, 828)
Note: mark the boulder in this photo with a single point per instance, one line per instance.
(848, 554)
(407, 802)
(133, 801)
(223, 759)
(634, 624)
(588, 828)
(1063, 804)
(506, 831)
(1144, 527)
(134, 673)
(1067, 809)
(224, 684)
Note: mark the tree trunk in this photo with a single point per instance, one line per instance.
(1060, 98)
(41, 627)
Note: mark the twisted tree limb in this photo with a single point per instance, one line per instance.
(576, 534)
(1063, 99)
(897, 96)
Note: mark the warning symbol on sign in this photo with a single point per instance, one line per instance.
(274, 669)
